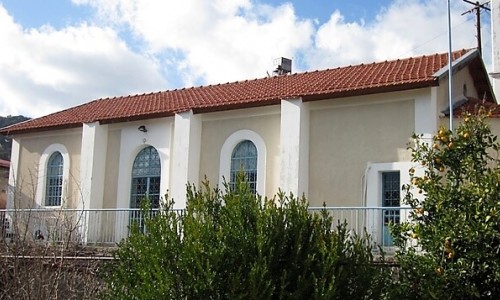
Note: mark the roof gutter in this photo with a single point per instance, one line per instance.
(5, 131)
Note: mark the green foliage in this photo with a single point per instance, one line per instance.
(6, 142)
(236, 245)
(455, 227)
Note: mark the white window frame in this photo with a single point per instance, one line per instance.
(132, 141)
(42, 174)
(374, 194)
(227, 150)
(54, 180)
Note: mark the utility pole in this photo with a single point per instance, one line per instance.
(450, 68)
(477, 8)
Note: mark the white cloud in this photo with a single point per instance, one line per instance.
(221, 40)
(44, 70)
(224, 40)
(193, 42)
(405, 28)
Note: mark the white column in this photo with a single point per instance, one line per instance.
(185, 155)
(92, 165)
(13, 173)
(294, 175)
(92, 177)
(495, 45)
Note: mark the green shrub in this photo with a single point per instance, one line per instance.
(236, 245)
(456, 228)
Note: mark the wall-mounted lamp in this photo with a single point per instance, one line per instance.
(142, 128)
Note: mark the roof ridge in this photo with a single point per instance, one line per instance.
(123, 96)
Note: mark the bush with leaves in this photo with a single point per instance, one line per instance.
(450, 248)
(235, 245)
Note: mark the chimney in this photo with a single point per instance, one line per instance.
(283, 66)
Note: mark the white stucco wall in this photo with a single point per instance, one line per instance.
(13, 172)
(294, 150)
(217, 129)
(93, 160)
(42, 173)
(348, 135)
(112, 166)
(227, 149)
(132, 141)
(185, 161)
(461, 79)
(32, 156)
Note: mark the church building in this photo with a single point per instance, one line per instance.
(338, 136)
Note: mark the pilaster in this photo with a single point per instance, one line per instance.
(185, 155)
(92, 165)
(294, 171)
(13, 173)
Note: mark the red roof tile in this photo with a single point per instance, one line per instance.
(401, 74)
(472, 106)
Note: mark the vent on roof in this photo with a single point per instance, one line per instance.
(283, 66)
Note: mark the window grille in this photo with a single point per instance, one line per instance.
(54, 183)
(391, 197)
(145, 181)
(244, 159)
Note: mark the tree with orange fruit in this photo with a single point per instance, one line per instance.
(450, 247)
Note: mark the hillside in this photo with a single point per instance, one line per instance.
(6, 142)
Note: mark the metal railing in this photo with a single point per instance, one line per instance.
(104, 227)
(374, 221)
(110, 226)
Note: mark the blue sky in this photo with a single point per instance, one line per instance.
(353, 10)
(57, 13)
(60, 13)
(61, 53)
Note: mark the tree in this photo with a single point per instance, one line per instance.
(236, 245)
(450, 247)
(6, 142)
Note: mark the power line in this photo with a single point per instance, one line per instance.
(432, 39)
(477, 8)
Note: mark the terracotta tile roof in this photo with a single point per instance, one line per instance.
(473, 104)
(387, 76)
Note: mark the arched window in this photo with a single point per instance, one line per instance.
(54, 183)
(231, 151)
(244, 159)
(146, 178)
